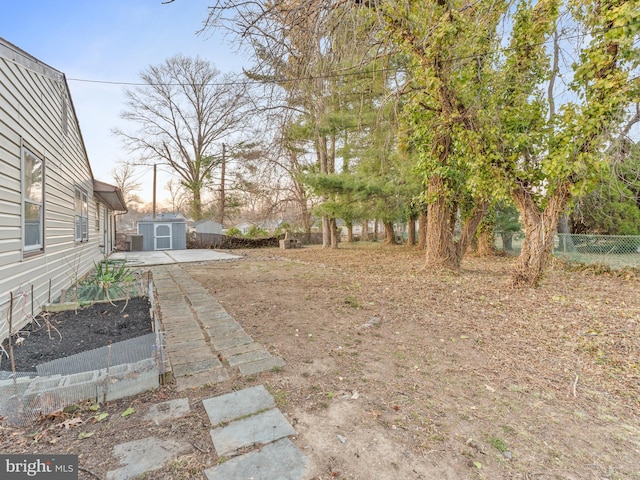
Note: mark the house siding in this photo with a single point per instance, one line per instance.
(209, 226)
(32, 98)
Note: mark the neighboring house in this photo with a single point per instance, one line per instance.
(270, 225)
(208, 226)
(245, 226)
(55, 219)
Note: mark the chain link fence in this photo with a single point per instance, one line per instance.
(615, 251)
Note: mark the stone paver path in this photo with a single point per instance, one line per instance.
(151, 453)
(199, 333)
(203, 343)
(247, 419)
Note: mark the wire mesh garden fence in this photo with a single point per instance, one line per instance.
(102, 374)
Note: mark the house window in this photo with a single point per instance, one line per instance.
(81, 216)
(32, 201)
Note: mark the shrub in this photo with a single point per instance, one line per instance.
(234, 232)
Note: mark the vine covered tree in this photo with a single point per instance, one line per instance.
(480, 112)
(549, 156)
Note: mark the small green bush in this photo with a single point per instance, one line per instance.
(257, 232)
(234, 232)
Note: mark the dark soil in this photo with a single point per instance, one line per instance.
(74, 332)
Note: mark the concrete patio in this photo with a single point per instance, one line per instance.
(167, 257)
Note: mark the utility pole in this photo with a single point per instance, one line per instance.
(153, 213)
(222, 175)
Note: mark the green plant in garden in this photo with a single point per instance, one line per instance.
(108, 281)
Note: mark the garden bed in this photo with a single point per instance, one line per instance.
(74, 331)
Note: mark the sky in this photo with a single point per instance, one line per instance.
(94, 41)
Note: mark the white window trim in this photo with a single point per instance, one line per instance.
(84, 226)
(39, 247)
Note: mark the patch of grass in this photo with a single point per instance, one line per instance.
(351, 301)
(279, 395)
(499, 444)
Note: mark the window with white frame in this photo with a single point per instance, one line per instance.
(81, 216)
(32, 201)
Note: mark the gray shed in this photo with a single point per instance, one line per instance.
(166, 231)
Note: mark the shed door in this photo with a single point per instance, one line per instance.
(162, 236)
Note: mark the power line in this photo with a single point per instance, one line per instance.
(332, 75)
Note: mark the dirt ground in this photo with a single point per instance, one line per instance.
(394, 372)
(61, 334)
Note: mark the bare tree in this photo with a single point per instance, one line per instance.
(124, 175)
(177, 195)
(184, 112)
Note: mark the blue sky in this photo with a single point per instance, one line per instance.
(112, 41)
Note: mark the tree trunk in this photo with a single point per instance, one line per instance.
(470, 228)
(326, 231)
(389, 234)
(375, 230)
(539, 230)
(305, 216)
(411, 232)
(440, 246)
(349, 232)
(422, 230)
(486, 241)
(321, 151)
(507, 241)
(196, 204)
(333, 226)
(364, 235)
(223, 169)
(443, 252)
(566, 240)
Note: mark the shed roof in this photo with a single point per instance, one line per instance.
(164, 218)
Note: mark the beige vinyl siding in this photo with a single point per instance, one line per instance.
(31, 113)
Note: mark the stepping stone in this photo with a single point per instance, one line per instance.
(248, 357)
(249, 347)
(168, 410)
(252, 368)
(214, 375)
(280, 460)
(241, 338)
(144, 455)
(231, 406)
(191, 368)
(258, 429)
